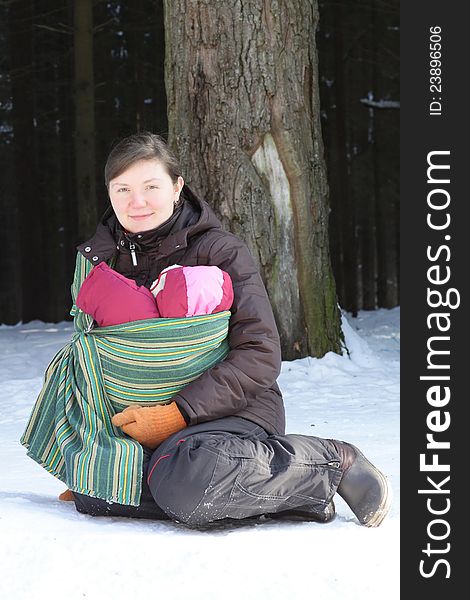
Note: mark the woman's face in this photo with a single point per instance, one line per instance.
(144, 195)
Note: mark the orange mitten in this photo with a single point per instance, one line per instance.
(150, 425)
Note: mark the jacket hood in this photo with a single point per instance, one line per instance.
(195, 216)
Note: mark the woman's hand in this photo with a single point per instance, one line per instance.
(150, 425)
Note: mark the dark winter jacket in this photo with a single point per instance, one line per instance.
(244, 384)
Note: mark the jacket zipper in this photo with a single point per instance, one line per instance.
(133, 254)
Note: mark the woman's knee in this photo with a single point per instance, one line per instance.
(181, 482)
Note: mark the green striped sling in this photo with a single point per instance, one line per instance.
(101, 371)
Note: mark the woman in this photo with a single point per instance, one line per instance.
(219, 449)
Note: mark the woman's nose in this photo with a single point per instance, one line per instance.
(137, 199)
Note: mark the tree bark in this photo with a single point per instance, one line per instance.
(243, 113)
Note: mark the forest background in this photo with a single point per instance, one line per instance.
(221, 81)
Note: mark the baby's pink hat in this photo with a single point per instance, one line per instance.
(189, 291)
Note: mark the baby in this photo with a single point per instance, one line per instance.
(111, 299)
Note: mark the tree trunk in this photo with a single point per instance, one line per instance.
(385, 158)
(10, 293)
(50, 48)
(359, 66)
(243, 113)
(135, 27)
(345, 193)
(159, 94)
(29, 207)
(84, 118)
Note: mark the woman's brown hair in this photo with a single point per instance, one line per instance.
(144, 145)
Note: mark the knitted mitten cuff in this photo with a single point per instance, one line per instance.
(150, 425)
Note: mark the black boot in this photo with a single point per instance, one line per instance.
(297, 514)
(365, 489)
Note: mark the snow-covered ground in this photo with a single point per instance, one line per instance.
(48, 550)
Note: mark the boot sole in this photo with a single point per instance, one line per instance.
(384, 507)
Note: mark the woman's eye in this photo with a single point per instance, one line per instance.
(124, 189)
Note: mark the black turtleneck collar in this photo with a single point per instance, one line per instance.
(182, 216)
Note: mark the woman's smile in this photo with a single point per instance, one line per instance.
(140, 217)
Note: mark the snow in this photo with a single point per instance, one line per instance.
(49, 550)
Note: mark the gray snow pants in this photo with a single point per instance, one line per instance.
(229, 468)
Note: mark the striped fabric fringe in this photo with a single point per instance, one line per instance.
(101, 371)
